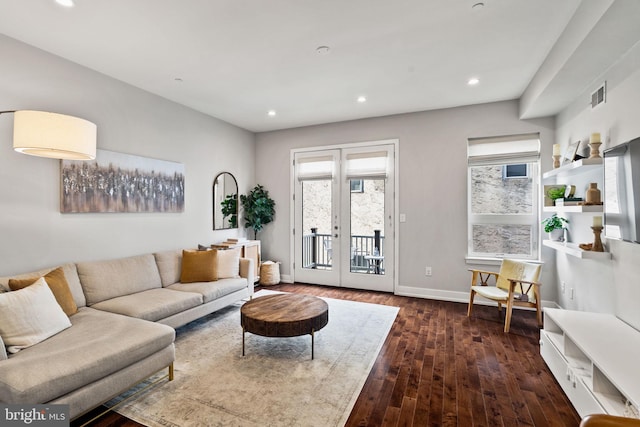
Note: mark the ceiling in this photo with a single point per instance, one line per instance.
(238, 59)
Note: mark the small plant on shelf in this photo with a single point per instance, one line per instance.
(554, 226)
(556, 192)
(555, 222)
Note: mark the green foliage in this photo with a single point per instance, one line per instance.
(554, 222)
(230, 208)
(259, 209)
(556, 192)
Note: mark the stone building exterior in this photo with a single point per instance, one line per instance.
(367, 207)
(492, 193)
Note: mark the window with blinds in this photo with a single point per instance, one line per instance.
(503, 213)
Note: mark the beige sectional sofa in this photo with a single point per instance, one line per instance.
(122, 332)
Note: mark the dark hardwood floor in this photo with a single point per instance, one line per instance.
(440, 368)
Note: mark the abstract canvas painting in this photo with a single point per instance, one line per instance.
(118, 182)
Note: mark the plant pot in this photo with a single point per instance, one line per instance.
(557, 235)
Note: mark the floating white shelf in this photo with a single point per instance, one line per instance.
(573, 209)
(573, 168)
(574, 250)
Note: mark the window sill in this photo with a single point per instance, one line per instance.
(495, 261)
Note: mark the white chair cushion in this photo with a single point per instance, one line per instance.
(491, 292)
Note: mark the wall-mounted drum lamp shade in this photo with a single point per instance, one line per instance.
(53, 135)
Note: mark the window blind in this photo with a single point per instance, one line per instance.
(315, 168)
(504, 149)
(367, 165)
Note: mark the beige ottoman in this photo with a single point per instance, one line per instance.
(269, 273)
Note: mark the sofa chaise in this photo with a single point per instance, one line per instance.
(122, 330)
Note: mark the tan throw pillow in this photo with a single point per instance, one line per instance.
(29, 316)
(57, 283)
(198, 266)
(229, 263)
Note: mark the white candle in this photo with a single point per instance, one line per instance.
(595, 137)
(597, 221)
(556, 149)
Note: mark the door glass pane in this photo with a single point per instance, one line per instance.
(317, 252)
(367, 226)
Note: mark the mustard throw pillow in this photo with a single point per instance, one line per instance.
(59, 286)
(198, 266)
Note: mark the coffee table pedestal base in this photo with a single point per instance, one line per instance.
(312, 343)
(284, 315)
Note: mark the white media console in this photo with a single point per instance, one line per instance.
(596, 359)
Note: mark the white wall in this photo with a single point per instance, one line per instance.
(33, 232)
(432, 179)
(605, 286)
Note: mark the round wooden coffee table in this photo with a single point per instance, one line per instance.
(284, 315)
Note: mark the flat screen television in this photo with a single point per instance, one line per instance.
(622, 192)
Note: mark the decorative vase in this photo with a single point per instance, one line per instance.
(593, 195)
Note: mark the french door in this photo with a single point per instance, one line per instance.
(344, 216)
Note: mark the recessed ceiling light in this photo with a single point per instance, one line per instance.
(271, 113)
(65, 3)
(478, 6)
(323, 50)
(178, 79)
(362, 99)
(473, 81)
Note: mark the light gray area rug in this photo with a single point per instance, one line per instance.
(276, 383)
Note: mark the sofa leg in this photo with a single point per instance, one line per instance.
(131, 396)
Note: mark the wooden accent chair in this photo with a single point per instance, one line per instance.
(515, 284)
(601, 420)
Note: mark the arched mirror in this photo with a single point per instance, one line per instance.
(225, 202)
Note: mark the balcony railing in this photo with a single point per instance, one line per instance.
(317, 251)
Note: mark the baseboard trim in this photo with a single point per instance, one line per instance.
(439, 294)
(453, 296)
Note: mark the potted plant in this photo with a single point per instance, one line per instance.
(556, 193)
(259, 209)
(230, 209)
(555, 226)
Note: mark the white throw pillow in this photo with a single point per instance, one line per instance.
(3, 350)
(29, 316)
(229, 263)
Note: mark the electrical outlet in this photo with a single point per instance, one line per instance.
(563, 287)
(427, 271)
(571, 293)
